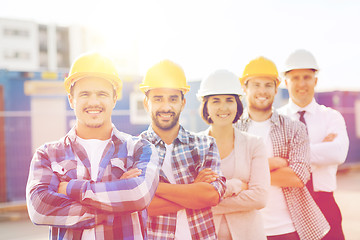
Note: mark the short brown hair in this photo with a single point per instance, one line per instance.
(205, 114)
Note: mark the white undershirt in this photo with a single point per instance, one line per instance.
(276, 214)
(182, 225)
(94, 149)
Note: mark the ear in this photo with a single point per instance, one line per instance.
(244, 88)
(316, 79)
(115, 101)
(71, 101)
(183, 104)
(286, 83)
(146, 104)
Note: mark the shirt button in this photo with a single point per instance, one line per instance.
(171, 235)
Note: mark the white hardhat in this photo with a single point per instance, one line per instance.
(300, 59)
(220, 82)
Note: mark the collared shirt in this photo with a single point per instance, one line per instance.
(114, 207)
(290, 141)
(191, 154)
(325, 156)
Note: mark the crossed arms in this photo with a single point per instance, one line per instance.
(174, 197)
(79, 203)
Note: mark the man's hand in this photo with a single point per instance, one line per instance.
(62, 188)
(330, 137)
(206, 175)
(277, 162)
(135, 172)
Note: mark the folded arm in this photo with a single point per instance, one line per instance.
(254, 196)
(123, 195)
(333, 149)
(193, 196)
(47, 207)
(294, 171)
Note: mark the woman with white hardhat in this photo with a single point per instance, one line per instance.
(243, 160)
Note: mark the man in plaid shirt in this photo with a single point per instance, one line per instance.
(190, 177)
(96, 182)
(290, 213)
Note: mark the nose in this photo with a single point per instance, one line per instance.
(302, 82)
(223, 106)
(262, 89)
(166, 106)
(93, 100)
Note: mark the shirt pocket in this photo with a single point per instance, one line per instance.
(65, 170)
(115, 169)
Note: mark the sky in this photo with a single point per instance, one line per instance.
(205, 35)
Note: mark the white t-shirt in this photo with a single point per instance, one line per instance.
(182, 224)
(94, 149)
(276, 214)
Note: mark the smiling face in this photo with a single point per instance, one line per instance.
(93, 101)
(222, 109)
(260, 93)
(301, 86)
(165, 106)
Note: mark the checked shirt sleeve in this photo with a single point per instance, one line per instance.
(47, 207)
(123, 195)
(212, 160)
(299, 152)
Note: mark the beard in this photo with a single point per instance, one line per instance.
(94, 125)
(257, 108)
(167, 125)
(260, 108)
(92, 121)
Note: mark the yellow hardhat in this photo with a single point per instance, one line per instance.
(260, 67)
(94, 65)
(165, 74)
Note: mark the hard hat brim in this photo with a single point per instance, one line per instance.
(115, 81)
(244, 80)
(145, 88)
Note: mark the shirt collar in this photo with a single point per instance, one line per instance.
(116, 135)
(182, 136)
(274, 119)
(310, 108)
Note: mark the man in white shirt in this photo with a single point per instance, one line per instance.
(326, 127)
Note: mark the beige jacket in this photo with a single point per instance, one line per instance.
(241, 211)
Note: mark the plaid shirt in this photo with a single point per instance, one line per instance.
(191, 154)
(114, 207)
(290, 141)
